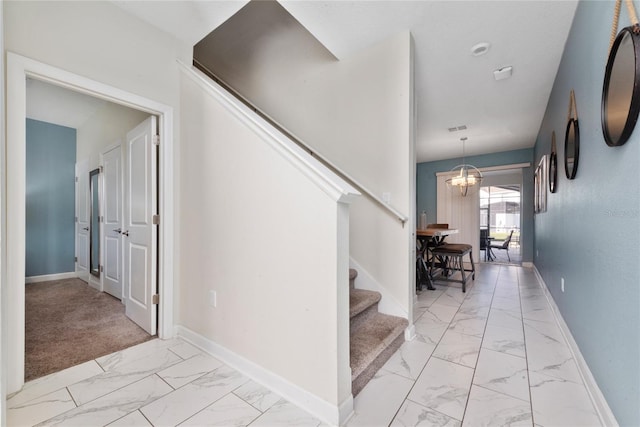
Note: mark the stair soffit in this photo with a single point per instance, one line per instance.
(334, 186)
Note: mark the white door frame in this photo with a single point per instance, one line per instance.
(12, 263)
(82, 174)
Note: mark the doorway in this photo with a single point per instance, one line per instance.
(13, 264)
(463, 213)
(82, 130)
(500, 215)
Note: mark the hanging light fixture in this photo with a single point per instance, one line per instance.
(465, 175)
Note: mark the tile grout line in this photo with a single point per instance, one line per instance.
(406, 397)
(495, 285)
(71, 395)
(526, 359)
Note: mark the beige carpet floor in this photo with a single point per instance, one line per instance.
(67, 323)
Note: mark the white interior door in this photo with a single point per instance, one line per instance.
(139, 234)
(460, 212)
(112, 222)
(82, 219)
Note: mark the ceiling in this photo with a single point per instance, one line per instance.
(453, 87)
(54, 104)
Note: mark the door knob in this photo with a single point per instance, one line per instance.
(125, 233)
(118, 230)
(86, 229)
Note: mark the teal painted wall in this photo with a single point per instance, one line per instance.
(590, 235)
(50, 199)
(426, 186)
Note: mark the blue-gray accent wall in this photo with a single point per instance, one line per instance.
(590, 234)
(426, 188)
(50, 198)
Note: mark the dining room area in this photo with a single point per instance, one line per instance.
(494, 216)
(485, 223)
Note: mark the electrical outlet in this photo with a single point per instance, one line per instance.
(562, 284)
(386, 197)
(537, 253)
(213, 299)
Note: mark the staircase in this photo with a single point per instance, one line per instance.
(374, 336)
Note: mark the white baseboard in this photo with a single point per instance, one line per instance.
(387, 304)
(528, 264)
(597, 398)
(95, 283)
(410, 332)
(325, 411)
(48, 277)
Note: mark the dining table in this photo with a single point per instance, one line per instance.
(428, 237)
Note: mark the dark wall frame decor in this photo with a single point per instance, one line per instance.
(571, 148)
(621, 89)
(572, 139)
(553, 165)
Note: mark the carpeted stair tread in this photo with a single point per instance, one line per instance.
(371, 346)
(374, 336)
(360, 300)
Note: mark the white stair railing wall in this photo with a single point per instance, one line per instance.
(268, 227)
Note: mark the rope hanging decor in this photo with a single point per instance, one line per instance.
(616, 18)
(573, 109)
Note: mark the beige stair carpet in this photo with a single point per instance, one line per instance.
(374, 336)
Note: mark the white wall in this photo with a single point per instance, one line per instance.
(267, 240)
(3, 366)
(370, 138)
(97, 40)
(357, 113)
(106, 127)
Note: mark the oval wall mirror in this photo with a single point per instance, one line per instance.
(553, 164)
(571, 148)
(94, 223)
(621, 89)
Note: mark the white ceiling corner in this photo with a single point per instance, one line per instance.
(188, 21)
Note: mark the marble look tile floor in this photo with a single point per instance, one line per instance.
(493, 356)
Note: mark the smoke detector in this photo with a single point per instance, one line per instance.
(503, 73)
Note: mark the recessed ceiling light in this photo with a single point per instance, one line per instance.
(480, 49)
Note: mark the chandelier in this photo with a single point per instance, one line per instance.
(465, 175)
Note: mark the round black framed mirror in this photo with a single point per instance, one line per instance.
(571, 148)
(553, 164)
(621, 90)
